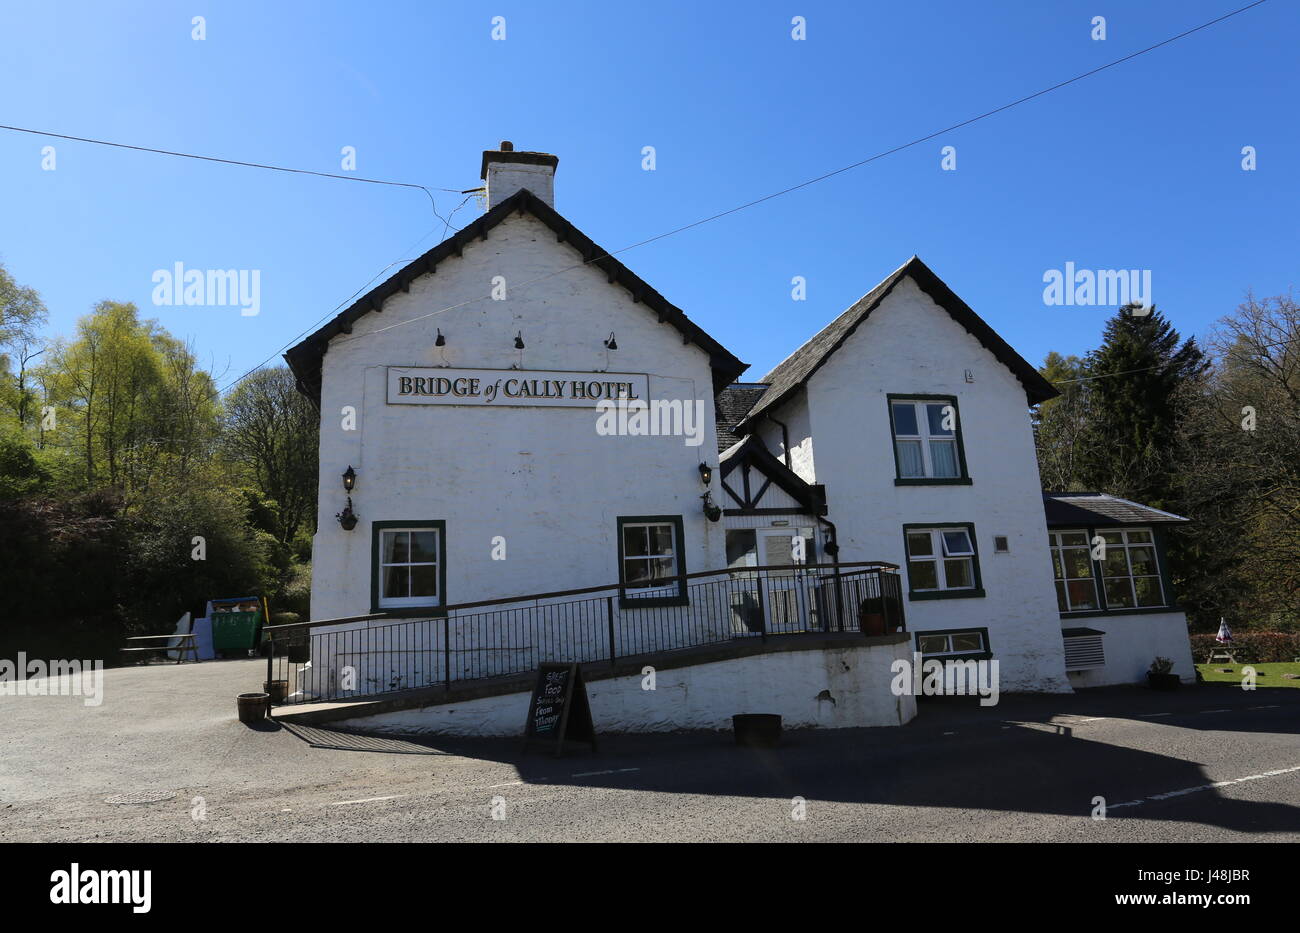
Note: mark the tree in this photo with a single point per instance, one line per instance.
(1060, 423)
(273, 430)
(22, 314)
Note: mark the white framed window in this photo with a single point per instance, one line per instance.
(1130, 571)
(926, 444)
(650, 556)
(408, 565)
(942, 560)
(938, 644)
(1076, 587)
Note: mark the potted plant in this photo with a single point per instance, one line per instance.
(1161, 676)
(871, 616)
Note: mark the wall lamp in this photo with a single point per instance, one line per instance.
(348, 518)
(610, 342)
(440, 340)
(706, 473)
(519, 340)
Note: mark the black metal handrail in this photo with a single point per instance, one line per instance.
(358, 656)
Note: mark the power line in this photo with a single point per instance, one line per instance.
(838, 171)
(1144, 369)
(203, 158)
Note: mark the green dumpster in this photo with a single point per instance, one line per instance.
(235, 633)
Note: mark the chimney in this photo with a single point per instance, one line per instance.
(506, 171)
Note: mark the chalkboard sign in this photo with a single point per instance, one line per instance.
(559, 710)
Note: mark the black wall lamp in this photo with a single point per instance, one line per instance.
(519, 340)
(440, 340)
(711, 511)
(610, 342)
(348, 518)
(706, 473)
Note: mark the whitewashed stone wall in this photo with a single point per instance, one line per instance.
(830, 688)
(1132, 642)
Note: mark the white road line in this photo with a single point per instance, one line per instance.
(1079, 722)
(1271, 706)
(950, 733)
(506, 784)
(344, 803)
(1200, 787)
(594, 773)
(1216, 711)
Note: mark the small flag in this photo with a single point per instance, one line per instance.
(1225, 634)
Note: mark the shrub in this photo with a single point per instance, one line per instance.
(1251, 647)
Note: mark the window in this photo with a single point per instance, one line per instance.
(941, 561)
(769, 547)
(1076, 589)
(927, 440)
(649, 556)
(953, 643)
(1130, 572)
(408, 566)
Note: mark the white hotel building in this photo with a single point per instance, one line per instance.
(899, 433)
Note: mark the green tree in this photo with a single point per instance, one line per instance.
(22, 314)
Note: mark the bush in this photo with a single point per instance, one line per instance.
(1251, 647)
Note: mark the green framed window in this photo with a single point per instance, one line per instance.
(942, 561)
(954, 643)
(1109, 571)
(926, 436)
(650, 555)
(1130, 571)
(408, 567)
(1076, 584)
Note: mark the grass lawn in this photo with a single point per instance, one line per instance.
(1266, 675)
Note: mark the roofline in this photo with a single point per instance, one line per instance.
(305, 358)
(1151, 508)
(1037, 388)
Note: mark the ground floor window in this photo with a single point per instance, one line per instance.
(953, 644)
(770, 547)
(942, 561)
(1076, 588)
(408, 565)
(649, 557)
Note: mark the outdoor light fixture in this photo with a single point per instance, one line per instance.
(347, 518)
(519, 340)
(349, 478)
(706, 473)
(610, 342)
(440, 340)
(711, 511)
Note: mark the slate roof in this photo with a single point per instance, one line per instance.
(793, 372)
(730, 406)
(1091, 509)
(305, 358)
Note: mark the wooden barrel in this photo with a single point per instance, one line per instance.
(252, 707)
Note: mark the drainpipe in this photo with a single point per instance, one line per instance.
(834, 550)
(785, 439)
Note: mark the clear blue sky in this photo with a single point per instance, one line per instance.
(1138, 167)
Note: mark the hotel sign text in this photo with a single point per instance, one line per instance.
(515, 387)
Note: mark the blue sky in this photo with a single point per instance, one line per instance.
(1138, 167)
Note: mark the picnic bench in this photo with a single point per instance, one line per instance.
(185, 645)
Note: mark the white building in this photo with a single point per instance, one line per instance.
(462, 392)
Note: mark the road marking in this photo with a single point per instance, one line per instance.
(950, 733)
(1078, 722)
(506, 784)
(594, 773)
(344, 803)
(1200, 787)
(1271, 706)
(1153, 715)
(1216, 711)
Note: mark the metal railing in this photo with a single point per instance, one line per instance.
(359, 656)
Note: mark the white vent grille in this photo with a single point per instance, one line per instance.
(1084, 652)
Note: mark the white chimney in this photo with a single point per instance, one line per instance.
(506, 171)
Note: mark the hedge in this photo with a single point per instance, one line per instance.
(1251, 647)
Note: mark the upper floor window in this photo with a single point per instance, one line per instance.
(927, 439)
(649, 557)
(942, 562)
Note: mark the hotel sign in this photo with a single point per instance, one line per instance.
(511, 387)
